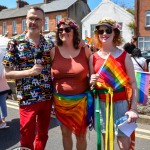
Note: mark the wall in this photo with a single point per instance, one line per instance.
(144, 6)
(52, 22)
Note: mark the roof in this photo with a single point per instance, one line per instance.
(56, 5)
(111, 8)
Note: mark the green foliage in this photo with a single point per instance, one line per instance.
(130, 10)
(131, 25)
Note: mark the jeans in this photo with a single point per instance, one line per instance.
(3, 107)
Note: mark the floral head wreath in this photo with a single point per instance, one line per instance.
(108, 22)
(67, 22)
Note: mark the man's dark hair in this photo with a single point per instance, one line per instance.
(134, 38)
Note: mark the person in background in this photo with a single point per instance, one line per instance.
(4, 90)
(70, 82)
(107, 38)
(139, 62)
(128, 47)
(27, 60)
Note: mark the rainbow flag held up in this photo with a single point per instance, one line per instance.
(142, 79)
(88, 40)
(113, 74)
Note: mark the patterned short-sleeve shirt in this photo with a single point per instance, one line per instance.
(22, 54)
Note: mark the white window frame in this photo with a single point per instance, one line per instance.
(46, 25)
(14, 27)
(24, 25)
(58, 18)
(147, 19)
(142, 41)
(4, 28)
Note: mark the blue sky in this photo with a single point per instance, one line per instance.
(92, 3)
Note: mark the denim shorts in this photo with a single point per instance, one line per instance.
(120, 108)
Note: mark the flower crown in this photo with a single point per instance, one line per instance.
(68, 22)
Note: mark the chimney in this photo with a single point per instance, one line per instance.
(2, 7)
(47, 1)
(21, 3)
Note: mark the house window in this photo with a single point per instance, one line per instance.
(14, 27)
(92, 29)
(23, 25)
(86, 33)
(46, 25)
(58, 18)
(147, 23)
(4, 28)
(144, 43)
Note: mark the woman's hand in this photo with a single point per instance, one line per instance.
(133, 115)
(94, 78)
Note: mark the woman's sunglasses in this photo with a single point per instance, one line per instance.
(107, 31)
(67, 29)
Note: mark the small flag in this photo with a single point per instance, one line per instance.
(88, 40)
(142, 79)
(112, 73)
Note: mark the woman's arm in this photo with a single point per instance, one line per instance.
(132, 113)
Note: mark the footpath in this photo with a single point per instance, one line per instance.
(144, 113)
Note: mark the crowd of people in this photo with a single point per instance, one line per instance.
(65, 75)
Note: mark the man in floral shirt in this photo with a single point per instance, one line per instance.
(28, 61)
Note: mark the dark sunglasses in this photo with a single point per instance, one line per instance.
(107, 31)
(67, 29)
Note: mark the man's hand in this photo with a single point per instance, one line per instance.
(35, 70)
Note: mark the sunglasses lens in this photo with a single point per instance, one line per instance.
(67, 29)
(107, 31)
(60, 30)
(100, 31)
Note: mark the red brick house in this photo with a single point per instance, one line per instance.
(13, 21)
(142, 19)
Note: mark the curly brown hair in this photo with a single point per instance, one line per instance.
(117, 40)
(74, 26)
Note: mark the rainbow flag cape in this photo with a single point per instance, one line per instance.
(88, 40)
(142, 79)
(113, 74)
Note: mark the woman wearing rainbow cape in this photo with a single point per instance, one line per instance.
(70, 68)
(112, 72)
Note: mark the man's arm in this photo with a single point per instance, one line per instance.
(13, 74)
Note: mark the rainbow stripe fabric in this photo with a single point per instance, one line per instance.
(113, 74)
(88, 40)
(71, 111)
(142, 79)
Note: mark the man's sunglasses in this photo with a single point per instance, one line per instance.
(67, 29)
(107, 31)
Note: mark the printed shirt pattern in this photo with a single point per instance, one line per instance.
(21, 55)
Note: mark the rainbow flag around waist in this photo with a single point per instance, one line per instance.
(142, 79)
(113, 74)
(72, 111)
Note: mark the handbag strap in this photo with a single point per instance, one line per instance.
(138, 63)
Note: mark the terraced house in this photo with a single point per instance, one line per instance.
(142, 30)
(13, 21)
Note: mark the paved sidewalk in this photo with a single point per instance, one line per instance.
(144, 119)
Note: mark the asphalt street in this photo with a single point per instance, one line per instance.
(9, 137)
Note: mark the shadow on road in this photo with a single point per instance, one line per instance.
(9, 136)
